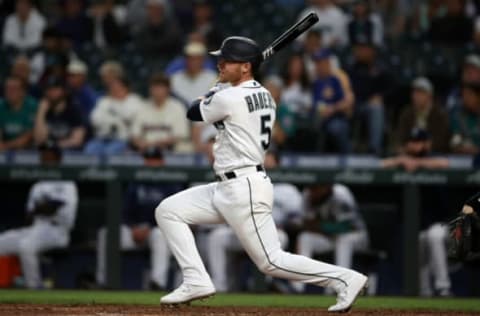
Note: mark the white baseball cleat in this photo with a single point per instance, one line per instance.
(346, 298)
(186, 293)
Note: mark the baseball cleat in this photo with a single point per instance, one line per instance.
(186, 293)
(345, 299)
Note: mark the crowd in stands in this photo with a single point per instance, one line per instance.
(108, 77)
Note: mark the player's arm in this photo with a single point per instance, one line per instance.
(212, 108)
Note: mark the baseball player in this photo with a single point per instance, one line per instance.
(243, 195)
(52, 206)
(332, 222)
(287, 203)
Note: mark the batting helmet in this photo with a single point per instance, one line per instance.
(238, 48)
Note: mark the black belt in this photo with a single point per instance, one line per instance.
(231, 174)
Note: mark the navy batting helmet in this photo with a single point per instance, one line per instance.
(238, 48)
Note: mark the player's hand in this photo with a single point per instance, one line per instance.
(140, 234)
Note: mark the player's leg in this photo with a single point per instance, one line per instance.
(10, 239)
(40, 237)
(220, 241)
(436, 237)
(308, 244)
(346, 244)
(246, 206)
(160, 257)
(173, 215)
(424, 261)
(126, 242)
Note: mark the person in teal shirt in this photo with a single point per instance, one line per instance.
(17, 116)
(465, 121)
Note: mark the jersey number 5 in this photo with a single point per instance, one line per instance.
(265, 129)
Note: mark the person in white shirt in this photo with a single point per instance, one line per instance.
(192, 82)
(52, 205)
(332, 22)
(162, 122)
(112, 117)
(23, 28)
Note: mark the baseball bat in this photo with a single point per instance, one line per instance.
(289, 35)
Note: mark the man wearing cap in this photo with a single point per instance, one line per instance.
(332, 104)
(424, 114)
(194, 80)
(83, 95)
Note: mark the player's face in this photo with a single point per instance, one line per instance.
(230, 71)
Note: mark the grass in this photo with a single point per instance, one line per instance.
(151, 298)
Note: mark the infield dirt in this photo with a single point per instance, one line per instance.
(140, 310)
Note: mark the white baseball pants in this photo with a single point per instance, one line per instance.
(433, 259)
(245, 203)
(159, 256)
(220, 241)
(28, 242)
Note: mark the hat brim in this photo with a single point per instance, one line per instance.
(216, 53)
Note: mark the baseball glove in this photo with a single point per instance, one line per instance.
(464, 237)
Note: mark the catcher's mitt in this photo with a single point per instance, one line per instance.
(464, 237)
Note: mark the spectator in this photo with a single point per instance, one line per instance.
(311, 45)
(424, 114)
(179, 63)
(371, 82)
(110, 71)
(58, 120)
(192, 82)
(297, 96)
(455, 28)
(332, 22)
(139, 229)
(332, 104)
(424, 13)
(107, 32)
(465, 121)
(470, 74)
(75, 24)
(332, 222)
(365, 24)
(51, 206)
(23, 29)
(112, 117)
(17, 115)
(52, 58)
(21, 69)
(284, 128)
(416, 154)
(203, 14)
(160, 37)
(287, 206)
(83, 95)
(161, 123)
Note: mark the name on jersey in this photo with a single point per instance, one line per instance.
(259, 101)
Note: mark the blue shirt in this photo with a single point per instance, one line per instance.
(85, 99)
(327, 91)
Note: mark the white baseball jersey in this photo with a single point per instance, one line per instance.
(244, 117)
(61, 191)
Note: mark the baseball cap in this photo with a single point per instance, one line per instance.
(195, 49)
(473, 60)
(321, 54)
(77, 67)
(418, 134)
(422, 83)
